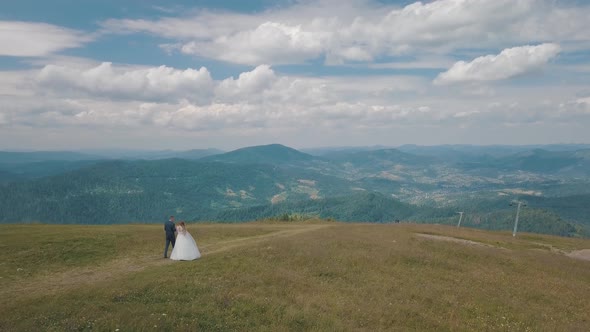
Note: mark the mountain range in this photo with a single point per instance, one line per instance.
(410, 183)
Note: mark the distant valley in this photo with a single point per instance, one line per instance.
(379, 184)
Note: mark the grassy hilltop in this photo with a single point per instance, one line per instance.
(270, 276)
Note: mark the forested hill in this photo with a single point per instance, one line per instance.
(360, 206)
(379, 185)
(273, 154)
(126, 191)
(376, 207)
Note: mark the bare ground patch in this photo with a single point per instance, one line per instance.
(456, 240)
(583, 254)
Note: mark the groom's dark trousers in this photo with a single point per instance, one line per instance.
(169, 227)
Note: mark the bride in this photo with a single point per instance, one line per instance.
(186, 247)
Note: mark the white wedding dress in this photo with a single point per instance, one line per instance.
(185, 248)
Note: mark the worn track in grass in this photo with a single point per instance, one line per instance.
(122, 267)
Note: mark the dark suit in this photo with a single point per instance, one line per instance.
(170, 228)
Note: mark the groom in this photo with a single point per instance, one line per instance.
(170, 228)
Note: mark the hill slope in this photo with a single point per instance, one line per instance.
(575, 163)
(7, 157)
(360, 207)
(376, 158)
(278, 277)
(274, 154)
(127, 191)
(272, 180)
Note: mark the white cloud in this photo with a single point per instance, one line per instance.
(577, 108)
(357, 106)
(248, 84)
(421, 62)
(165, 84)
(272, 42)
(509, 63)
(363, 31)
(29, 39)
(16, 83)
(155, 83)
(200, 26)
(261, 103)
(107, 96)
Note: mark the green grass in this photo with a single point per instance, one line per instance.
(29, 250)
(34, 249)
(293, 277)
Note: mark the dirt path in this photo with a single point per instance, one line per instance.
(580, 254)
(119, 268)
(218, 247)
(583, 254)
(454, 239)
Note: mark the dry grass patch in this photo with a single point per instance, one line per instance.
(320, 277)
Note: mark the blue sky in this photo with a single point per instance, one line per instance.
(226, 74)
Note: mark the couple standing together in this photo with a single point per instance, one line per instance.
(184, 247)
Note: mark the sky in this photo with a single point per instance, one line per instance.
(180, 74)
